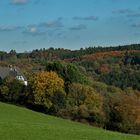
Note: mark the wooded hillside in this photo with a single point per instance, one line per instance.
(99, 86)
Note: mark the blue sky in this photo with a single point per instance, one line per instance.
(71, 24)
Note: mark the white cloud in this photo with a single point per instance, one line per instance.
(78, 27)
(5, 28)
(33, 30)
(19, 2)
(92, 18)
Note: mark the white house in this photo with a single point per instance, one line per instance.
(14, 72)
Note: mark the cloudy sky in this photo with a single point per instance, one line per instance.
(72, 24)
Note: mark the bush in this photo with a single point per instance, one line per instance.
(11, 89)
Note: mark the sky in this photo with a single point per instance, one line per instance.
(71, 24)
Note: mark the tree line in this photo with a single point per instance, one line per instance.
(64, 90)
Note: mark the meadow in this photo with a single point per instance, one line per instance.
(17, 123)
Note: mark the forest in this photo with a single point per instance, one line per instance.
(99, 86)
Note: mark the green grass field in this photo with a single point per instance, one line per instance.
(18, 123)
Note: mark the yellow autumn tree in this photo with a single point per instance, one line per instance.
(44, 85)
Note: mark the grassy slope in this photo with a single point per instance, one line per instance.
(22, 124)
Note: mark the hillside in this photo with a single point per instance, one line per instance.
(99, 86)
(22, 124)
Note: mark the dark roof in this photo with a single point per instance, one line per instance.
(4, 71)
(9, 71)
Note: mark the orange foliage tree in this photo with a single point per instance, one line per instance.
(127, 114)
